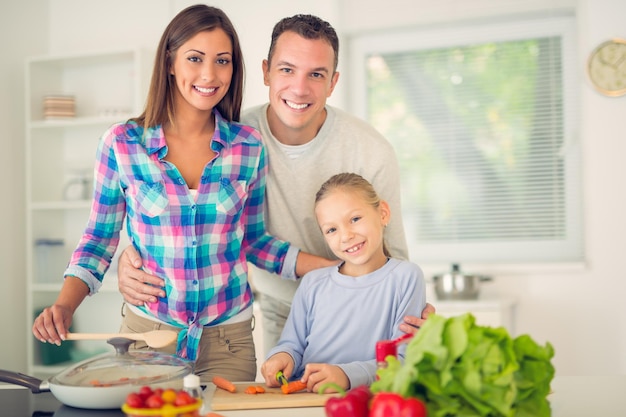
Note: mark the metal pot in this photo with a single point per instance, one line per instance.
(104, 382)
(456, 285)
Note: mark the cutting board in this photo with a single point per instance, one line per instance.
(272, 398)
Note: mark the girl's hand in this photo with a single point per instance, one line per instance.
(317, 374)
(279, 362)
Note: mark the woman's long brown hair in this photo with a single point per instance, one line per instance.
(159, 107)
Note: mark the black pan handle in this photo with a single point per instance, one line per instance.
(34, 384)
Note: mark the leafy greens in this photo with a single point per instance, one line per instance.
(460, 369)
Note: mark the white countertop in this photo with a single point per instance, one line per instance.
(573, 396)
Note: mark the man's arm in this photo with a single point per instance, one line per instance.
(136, 286)
(307, 262)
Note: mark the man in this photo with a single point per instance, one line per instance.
(307, 141)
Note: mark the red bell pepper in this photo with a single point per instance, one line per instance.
(351, 404)
(388, 404)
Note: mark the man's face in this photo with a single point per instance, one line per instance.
(300, 79)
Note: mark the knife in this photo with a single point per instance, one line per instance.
(281, 378)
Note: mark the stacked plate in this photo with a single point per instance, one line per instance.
(58, 107)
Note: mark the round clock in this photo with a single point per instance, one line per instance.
(606, 67)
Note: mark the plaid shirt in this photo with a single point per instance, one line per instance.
(199, 247)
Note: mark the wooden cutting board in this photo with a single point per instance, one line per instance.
(272, 398)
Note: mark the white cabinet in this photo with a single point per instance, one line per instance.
(494, 312)
(60, 153)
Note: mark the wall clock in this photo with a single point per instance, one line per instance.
(606, 67)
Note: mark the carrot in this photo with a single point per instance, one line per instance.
(255, 389)
(224, 384)
(293, 386)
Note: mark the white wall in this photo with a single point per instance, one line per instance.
(581, 311)
(23, 30)
(123, 23)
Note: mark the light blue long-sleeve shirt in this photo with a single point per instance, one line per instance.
(338, 319)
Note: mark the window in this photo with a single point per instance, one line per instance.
(483, 120)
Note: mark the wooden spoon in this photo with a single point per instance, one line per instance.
(154, 338)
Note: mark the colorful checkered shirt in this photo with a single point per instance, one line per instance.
(199, 247)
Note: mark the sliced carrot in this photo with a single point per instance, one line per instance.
(250, 390)
(293, 386)
(224, 384)
(259, 389)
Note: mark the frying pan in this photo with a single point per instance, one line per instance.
(104, 382)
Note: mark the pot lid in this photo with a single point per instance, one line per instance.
(136, 367)
(455, 272)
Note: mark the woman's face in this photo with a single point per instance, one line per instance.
(203, 70)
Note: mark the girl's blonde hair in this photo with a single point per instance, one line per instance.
(349, 181)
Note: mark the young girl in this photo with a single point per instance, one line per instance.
(340, 312)
(190, 183)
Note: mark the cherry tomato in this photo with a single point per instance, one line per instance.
(134, 400)
(154, 401)
(145, 392)
(183, 398)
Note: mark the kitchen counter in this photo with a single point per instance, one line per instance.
(573, 396)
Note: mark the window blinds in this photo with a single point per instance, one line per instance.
(482, 119)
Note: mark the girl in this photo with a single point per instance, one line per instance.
(190, 183)
(340, 312)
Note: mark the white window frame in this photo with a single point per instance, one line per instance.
(569, 251)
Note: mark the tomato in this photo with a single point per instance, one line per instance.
(145, 392)
(183, 398)
(154, 401)
(134, 400)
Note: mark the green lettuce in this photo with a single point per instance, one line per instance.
(460, 369)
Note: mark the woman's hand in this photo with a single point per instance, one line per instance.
(54, 322)
(412, 324)
(136, 286)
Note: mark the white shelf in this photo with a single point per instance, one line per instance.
(109, 285)
(108, 87)
(61, 205)
(79, 121)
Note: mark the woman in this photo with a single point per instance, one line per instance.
(190, 183)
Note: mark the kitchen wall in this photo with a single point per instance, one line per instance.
(579, 308)
(24, 31)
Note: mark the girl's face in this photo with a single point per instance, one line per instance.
(353, 230)
(203, 69)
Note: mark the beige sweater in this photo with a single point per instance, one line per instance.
(343, 144)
